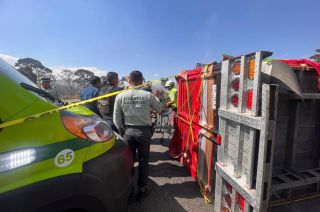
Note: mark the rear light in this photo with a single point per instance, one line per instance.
(227, 198)
(228, 187)
(218, 139)
(240, 201)
(249, 99)
(236, 68)
(86, 127)
(225, 210)
(236, 84)
(235, 100)
(252, 62)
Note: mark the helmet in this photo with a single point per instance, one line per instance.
(169, 83)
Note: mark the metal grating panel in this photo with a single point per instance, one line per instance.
(239, 123)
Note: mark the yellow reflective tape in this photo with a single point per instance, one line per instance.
(49, 112)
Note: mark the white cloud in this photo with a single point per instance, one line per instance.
(9, 59)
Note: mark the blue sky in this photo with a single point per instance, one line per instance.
(157, 37)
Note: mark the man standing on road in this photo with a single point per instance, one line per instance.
(132, 116)
(91, 92)
(106, 105)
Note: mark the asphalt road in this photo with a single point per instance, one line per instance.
(171, 186)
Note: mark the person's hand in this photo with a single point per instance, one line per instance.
(169, 103)
(156, 94)
(148, 84)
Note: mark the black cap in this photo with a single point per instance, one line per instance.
(111, 76)
(136, 76)
(95, 80)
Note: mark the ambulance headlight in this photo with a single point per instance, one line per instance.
(87, 127)
(98, 131)
(16, 159)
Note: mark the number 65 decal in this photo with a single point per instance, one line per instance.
(64, 158)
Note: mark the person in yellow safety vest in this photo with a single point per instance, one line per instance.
(172, 95)
(173, 92)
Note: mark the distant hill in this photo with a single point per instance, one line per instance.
(56, 70)
(60, 83)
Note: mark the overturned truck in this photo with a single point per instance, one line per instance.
(248, 131)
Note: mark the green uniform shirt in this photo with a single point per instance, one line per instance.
(133, 108)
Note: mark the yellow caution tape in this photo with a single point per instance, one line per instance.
(49, 112)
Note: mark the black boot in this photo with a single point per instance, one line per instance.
(142, 193)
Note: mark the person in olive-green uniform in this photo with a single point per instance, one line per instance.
(132, 117)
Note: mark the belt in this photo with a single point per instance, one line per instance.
(138, 126)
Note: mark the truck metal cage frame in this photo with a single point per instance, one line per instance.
(269, 122)
(246, 126)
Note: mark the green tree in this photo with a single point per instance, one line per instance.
(83, 77)
(28, 72)
(33, 69)
(68, 76)
(316, 56)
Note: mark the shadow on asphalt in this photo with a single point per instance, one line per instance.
(158, 200)
(182, 190)
(167, 170)
(159, 156)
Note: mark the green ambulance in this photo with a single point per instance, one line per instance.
(66, 160)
